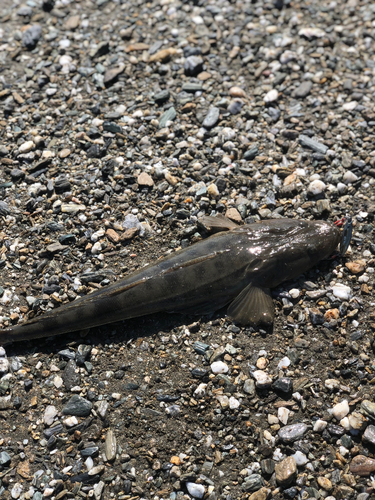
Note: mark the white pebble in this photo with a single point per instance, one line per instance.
(26, 147)
(200, 391)
(48, 492)
(340, 410)
(89, 462)
(349, 177)
(316, 187)
(49, 414)
(320, 425)
(16, 491)
(195, 490)
(4, 366)
(219, 367)
(300, 458)
(283, 363)
(262, 378)
(272, 419)
(96, 248)
(332, 384)
(294, 293)
(341, 291)
(349, 106)
(71, 421)
(271, 96)
(345, 423)
(233, 403)
(57, 382)
(283, 414)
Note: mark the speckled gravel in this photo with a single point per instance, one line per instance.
(121, 123)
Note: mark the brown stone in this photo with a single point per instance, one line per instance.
(356, 267)
(23, 470)
(129, 234)
(286, 471)
(18, 98)
(233, 214)
(175, 460)
(72, 23)
(324, 483)
(331, 314)
(112, 73)
(144, 179)
(237, 92)
(163, 55)
(112, 235)
(205, 75)
(362, 466)
(261, 494)
(137, 46)
(64, 153)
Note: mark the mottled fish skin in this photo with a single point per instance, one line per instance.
(199, 279)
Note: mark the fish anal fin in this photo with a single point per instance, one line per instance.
(216, 223)
(253, 306)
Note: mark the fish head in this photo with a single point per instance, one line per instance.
(292, 247)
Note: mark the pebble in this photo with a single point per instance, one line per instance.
(110, 446)
(26, 147)
(293, 432)
(262, 379)
(316, 146)
(196, 490)
(77, 406)
(341, 291)
(271, 96)
(219, 367)
(362, 466)
(303, 90)
(286, 471)
(316, 187)
(340, 410)
(50, 414)
(211, 118)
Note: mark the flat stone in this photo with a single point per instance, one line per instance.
(144, 179)
(110, 446)
(72, 23)
(5, 459)
(211, 118)
(167, 116)
(49, 415)
(78, 406)
(293, 432)
(112, 73)
(252, 483)
(316, 146)
(361, 465)
(369, 435)
(304, 89)
(286, 472)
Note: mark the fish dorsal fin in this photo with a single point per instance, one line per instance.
(253, 306)
(216, 223)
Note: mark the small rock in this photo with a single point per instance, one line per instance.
(369, 434)
(219, 367)
(110, 446)
(263, 380)
(195, 490)
(300, 458)
(320, 425)
(361, 465)
(340, 410)
(211, 118)
(49, 415)
(144, 179)
(303, 90)
(292, 432)
(26, 147)
(341, 291)
(271, 96)
(78, 406)
(4, 366)
(237, 92)
(193, 65)
(233, 214)
(356, 267)
(286, 472)
(112, 73)
(316, 146)
(316, 187)
(32, 36)
(325, 483)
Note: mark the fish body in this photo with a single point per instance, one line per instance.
(235, 267)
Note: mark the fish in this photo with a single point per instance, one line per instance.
(235, 267)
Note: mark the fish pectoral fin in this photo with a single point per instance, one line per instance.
(253, 306)
(216, 223)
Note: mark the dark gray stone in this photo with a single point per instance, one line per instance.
(77, 406)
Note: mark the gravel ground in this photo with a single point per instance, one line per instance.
(121, 123)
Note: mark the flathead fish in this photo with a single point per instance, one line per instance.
(236, 267)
